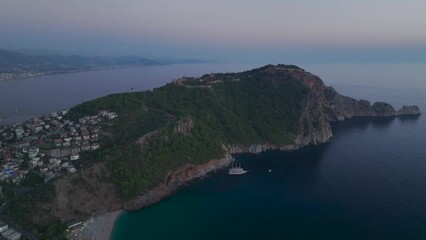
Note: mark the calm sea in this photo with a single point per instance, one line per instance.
(367, 183)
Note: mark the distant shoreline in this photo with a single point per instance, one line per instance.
(15, 65)
(41, 74)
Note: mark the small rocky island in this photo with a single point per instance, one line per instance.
(163, 138)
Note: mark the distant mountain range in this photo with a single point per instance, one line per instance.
(17, 65)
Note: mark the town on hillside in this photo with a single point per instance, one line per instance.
(47, 147)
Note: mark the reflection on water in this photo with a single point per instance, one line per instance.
(408, 119)
(362, 123)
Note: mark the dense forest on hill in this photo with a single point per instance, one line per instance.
(232, 108)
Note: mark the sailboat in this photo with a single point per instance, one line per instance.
(237, 169)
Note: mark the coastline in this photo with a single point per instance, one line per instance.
(178, 179)
(101, 227)
(97, 228)
(44, 74)
(317, 132)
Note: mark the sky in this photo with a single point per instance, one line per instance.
(234, 30)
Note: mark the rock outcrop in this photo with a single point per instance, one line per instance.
(184, 126)
(383, 109)
(339, 107)
(409, 110)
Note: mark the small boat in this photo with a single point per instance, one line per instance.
(270, 170)
(236, 170)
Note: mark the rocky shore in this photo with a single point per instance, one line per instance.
(187, 173)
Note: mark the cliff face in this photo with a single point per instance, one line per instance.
(175, 180)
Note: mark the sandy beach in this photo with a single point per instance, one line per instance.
(96, 228)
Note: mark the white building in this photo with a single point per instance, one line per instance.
(111, 115)
(32, 152)
(19, 133)
(95, 146)
(3, 226)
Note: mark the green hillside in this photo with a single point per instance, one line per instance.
(251, 107)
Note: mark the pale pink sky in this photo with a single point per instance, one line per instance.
(199, 26)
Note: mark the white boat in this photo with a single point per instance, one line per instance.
(236, 170)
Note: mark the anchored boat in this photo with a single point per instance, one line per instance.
(237, 169)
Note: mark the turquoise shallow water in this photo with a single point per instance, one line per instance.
(367, 183)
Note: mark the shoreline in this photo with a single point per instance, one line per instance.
(44, 74)
(97, 228)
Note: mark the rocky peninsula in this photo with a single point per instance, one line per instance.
(323, 105)
(164, 138)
